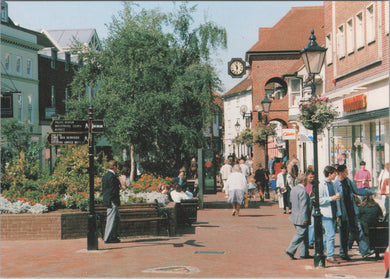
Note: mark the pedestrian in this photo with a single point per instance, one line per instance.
(249, 163)
(383, 187)
(237, 187)
(252, 188)
(261, 178)
(300, 217)
(124, 178)
(349, 213)
(111, 199)
(244, 168)
(272, 186)
(309, 189)
(342, 160)
(181, 179)
(271, 165)
(178, 195)
(193, 169)
(330, 211)
(370, 214)
(284, 188)
(362, 176)
(225, 171)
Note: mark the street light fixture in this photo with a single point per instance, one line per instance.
(313, 57)
(237, 126)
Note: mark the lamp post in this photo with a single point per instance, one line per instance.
(237, 126)
(313, 57)
(266, 107)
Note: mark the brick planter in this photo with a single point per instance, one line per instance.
(66, 224)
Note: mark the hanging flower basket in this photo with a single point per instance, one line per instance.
(317, 113)
(261, 134)
(246, 137)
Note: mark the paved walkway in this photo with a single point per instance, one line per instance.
(219, 245)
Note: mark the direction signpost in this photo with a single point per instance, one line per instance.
(81, 132)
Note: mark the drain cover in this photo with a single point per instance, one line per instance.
(339, 276)
(174, 269)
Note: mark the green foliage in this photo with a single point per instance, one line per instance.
(261, 134)
(246, 137)
(17, 135)
(155, 82)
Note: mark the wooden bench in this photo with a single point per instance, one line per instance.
(134, 214)
(190, 209)
(379, 238)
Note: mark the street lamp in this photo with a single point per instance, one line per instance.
(237, 126)
(313, 57)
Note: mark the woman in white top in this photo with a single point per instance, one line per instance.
(236, 187)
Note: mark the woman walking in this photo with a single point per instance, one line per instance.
(236, 187)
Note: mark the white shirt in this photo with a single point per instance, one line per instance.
(179, 196)
(235, 181)
(226, 171)
(244, 169)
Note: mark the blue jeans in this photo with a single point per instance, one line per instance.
(330, 234)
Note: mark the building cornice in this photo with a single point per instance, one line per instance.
(272, 55)
(22, 43)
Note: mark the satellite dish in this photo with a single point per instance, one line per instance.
(243, 109)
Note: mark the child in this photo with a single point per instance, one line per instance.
(272, 186)
(252, 187)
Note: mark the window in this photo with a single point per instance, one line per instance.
(387, 17)
(4, 11)
(6, 105)
(29, 67)
(53, 96)
(329, 46)
(7, 62)
(295, 92)
(53, 58)
(340, 42)
(370, 22)
(30, 110)
(20, 107)
(359, 31)
(350, 37)
(67, 61)
(66, 99)
(18, 65)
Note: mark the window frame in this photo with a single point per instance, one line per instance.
(19, 65)
(53, 96)
(20, 107)
(386, 3)
(340, 41)
(295, 94)
(29, 67)
(30, 112)
(7, 62)
(370, 24)
(329, 50)
(359, 27)
(350, 36)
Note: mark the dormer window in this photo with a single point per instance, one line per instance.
(4, 12)
(53, 58)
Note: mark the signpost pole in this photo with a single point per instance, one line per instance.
(92, 233)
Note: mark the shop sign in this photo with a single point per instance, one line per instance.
(355, 103)
(288, 134)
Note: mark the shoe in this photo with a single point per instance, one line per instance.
(285, 212)
(289, 212)
(114, 240)
(234, 212)
(290, 255)
(307, 257)
(332, 261)
(345, 258)
(371, 252)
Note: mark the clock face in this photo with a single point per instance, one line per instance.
(236, 68)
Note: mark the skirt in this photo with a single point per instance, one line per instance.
(236, 196)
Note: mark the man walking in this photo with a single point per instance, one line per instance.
(111, 199)
(300, 217)
(329, 210)
(349, 213)
(225, 171)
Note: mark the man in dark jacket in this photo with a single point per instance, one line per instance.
(111, 199)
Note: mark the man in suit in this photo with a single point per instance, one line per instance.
(111, 199)
(350, 213)
(300, 217)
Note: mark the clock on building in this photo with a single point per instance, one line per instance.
(236, 67)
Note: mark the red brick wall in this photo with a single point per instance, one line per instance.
(378, 50)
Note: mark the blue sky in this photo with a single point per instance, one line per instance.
(241, 19)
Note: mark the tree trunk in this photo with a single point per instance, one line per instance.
(133, 167)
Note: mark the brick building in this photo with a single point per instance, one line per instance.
(357, 81)
(275, 55)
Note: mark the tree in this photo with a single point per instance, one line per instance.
(155, 82)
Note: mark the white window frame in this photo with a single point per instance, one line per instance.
(386, 3)
(350, 36)
(19, 65)
(341, 41)
(370, 23)
(30, 116)
(359, 25)
(20, 107)
(295, 95)
(7, 62)
(329, 46)
(29, 68)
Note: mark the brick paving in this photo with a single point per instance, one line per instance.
(217, 246)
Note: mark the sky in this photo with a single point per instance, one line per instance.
(241, 19)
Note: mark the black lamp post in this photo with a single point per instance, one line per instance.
(237, 126)
(313, 57)
(266, 107)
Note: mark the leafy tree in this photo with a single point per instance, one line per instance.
(155, 82)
